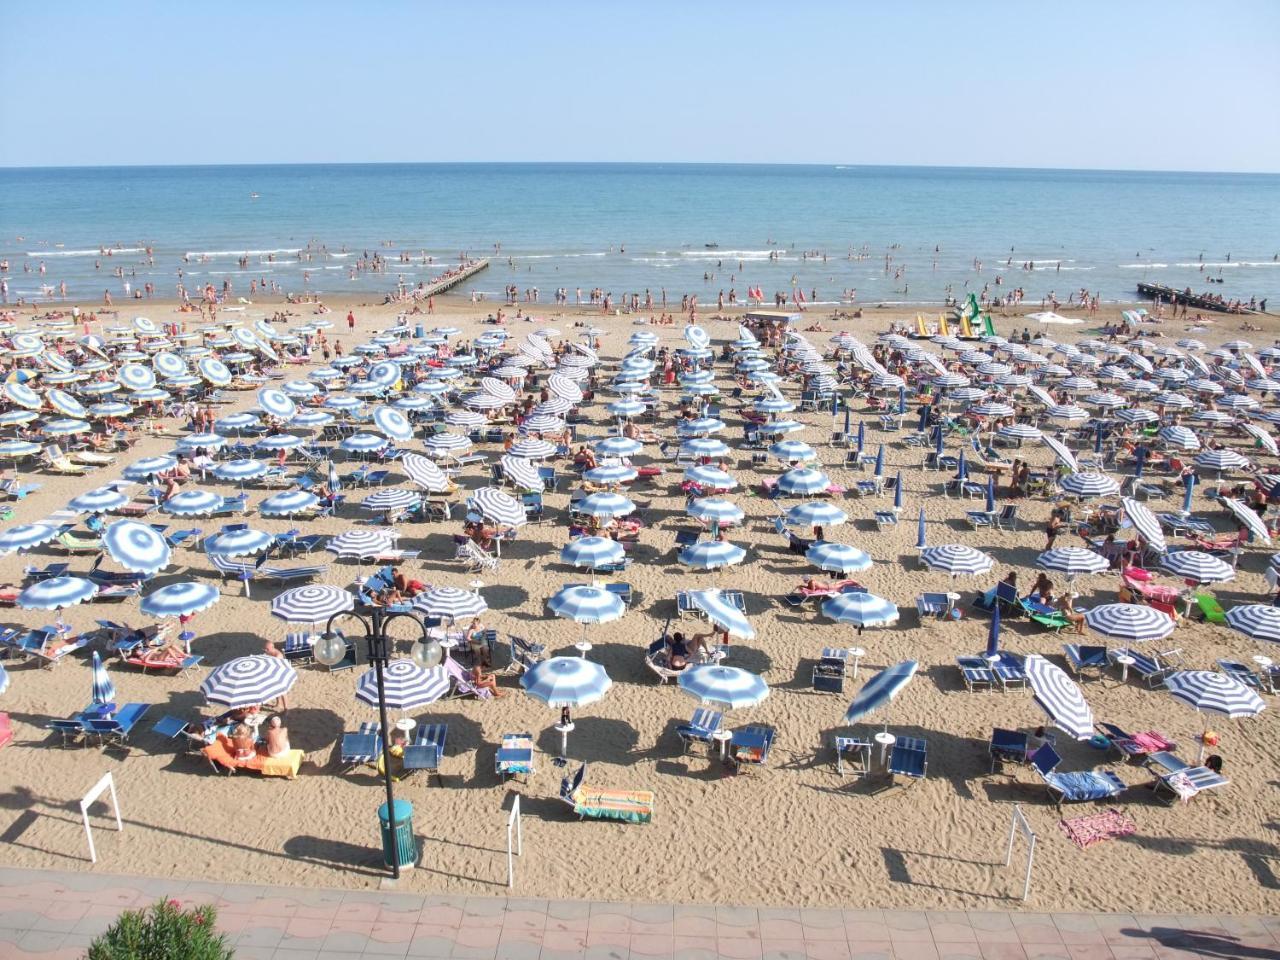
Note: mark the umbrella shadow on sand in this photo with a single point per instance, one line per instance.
(594, 739)
(503, 596)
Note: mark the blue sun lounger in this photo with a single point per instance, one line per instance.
(705, 722)
(909, 758)
(427, 749)
(116, 730)
(1179, 779)
(1076, 787)
(364, 746)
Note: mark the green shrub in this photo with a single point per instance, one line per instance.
(163, 932)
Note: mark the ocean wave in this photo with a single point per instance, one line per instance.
(1207, 263)
(95, 252)
(728, 254)
(240, 253)
(1143, 266)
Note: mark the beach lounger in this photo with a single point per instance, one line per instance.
(1148, 667)
(705, 722)
(515, 756)
(1045, 616)
(1007, 746)
(1009, 670)
(976, 673)
(47, 572)
(1076, 787)
(1130, 745)
(289, 574)
(860, 752)
(220, 757)
(1209, 609)
(979, 519)
(885, 519)
(935, 605)
(178, 664)
(18, 491)
(1083, 659)
(116, 592)
(116, 730)
(1179, 779)
(462, 685)
(361, 747)
(909, 758)
(427, 749)
(91, 458)
(180, 538)
(751, 745)
(73, 542)
(68, 730)
(628, 806)
(51, 660)
(1238, 671)
(189, 736)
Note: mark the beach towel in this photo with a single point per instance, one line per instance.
(632, 806)
(1152, 742)
(1086, 831)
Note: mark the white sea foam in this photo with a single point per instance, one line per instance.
(196, 254)
(1219, 266)
(728, 254)
(95, 252)
(1143, 266)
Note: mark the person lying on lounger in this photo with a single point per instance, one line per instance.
(165, 653)
(485, 681)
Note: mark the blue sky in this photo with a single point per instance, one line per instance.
(1079, 84)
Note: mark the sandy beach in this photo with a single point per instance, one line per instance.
(794, 833)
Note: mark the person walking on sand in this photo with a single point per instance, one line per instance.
(351, 320)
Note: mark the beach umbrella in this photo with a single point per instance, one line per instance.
(1129, 623)
(312, 603)
(23, 395)
(363, 442)
(1183, 438)
(197, 441)
(17, 417)
(1210, 692)
(499, 507)
(1060, 697)
(921, 542)
(617, 447)
(1257, 621)
(385, 501)
(880, 690)
(532, 449)
(1072, 561)
(249, 681)
(405, 685)
(288, 504)
(711, 554)
(452, 603)
(561, 386)
(861, 609)
(169, 364)
(180, 599)
(1221, 460)
(277, 403)
(1089, 485)
(584, 605)
(722, 614)
(1145, 522)
(521, 472)
(614, 474)
(605, 505)
(837, 557)
(1064, 456)
(55, 593)
(214, 371)
(1196, 566)
(280, 441)
(149, 466)
(1189, 486)
(103, 691)
(63, 427)
(65, 403)
(803, 481)
(816, 513)
(792, 451)
(725, 688)
(424, 472)
(1247, 517)
(361, 543)
(393, 423)
(716, 509)
(1019, 431)
(956, 559)
(136, 546)
(98, 500)
(238, 543)
(240, 470)
(4, 679)
(713, 477)
(25, 536)
(192, 503)
(566, 682)
(17, 449)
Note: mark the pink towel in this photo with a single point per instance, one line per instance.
(1152, 742)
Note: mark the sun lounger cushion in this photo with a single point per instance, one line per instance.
(631, 806)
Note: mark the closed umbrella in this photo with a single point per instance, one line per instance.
(249, 681)
(103, 690)
(1189, 487)
(921, 543)
(1060, 697)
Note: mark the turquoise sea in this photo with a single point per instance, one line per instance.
(631, 227)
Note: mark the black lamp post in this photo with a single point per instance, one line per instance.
(332, 647)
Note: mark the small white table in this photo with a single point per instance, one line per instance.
(564, 729)
(406, 724)
(1264, 662)
(476, 586)
(856, 654)
(722, 737)
(886, 740)
(1125, 662)
(582, 646)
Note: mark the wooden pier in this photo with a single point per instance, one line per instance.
(447, 284)
(1163, 294)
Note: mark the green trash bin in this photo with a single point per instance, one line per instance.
(402, 843)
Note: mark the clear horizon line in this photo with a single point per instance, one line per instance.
(626, 163)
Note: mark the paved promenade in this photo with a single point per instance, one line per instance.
(50, 914)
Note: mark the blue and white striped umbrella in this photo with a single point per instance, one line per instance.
(705, 447)
(793, 451)
(773, 405)
(15, 417)
(63, 427)
(393, 423)
(384, 374)
(169, 364)
(192, 503)
(23, 395)
(148, 467)
(611, 474)
(723, 614)
(343, 402)
(1208, 691)
(214, 371)
(465, 418)
(617, 447)
(236, 422)
(1063, 455)
(25, 536)
(360, 543)
(300, 388)
(424, 472)
(1072, 561)
(816, 513)
(1145, 522)
(566, 682)
(280, 441)
(626, 408)
(587, 605)
(198, 441)
(521, 472)
(134, 376)
(1221, 460)
(880, 690)
(1247, 517)
(1198, 566)
(541, 423)
(102, 689)
(277, 403)
(725, 688)
(180, 599)
(1089, 485)
(956, 559)
(4, 679)
(837, 557)
(312, 603)
(65, 403)
(605, 505)
(240, 470)
(712, 554)
(442, 443)
(388, 500)
(592, 552)
(715, 508)
(288, 504)
(405, 684)
(498, 506)
(532, 449)
(803, 482)
(238, 543)
(861, 609)
(16, 449)
(700, 426)
(452, 603)
(363, 442)
(1182, 438)
(1258, 621)
(136, 546)
(1060, 697)
(249, 681)
(1128, 622)
(99, 500)
(56, 593)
